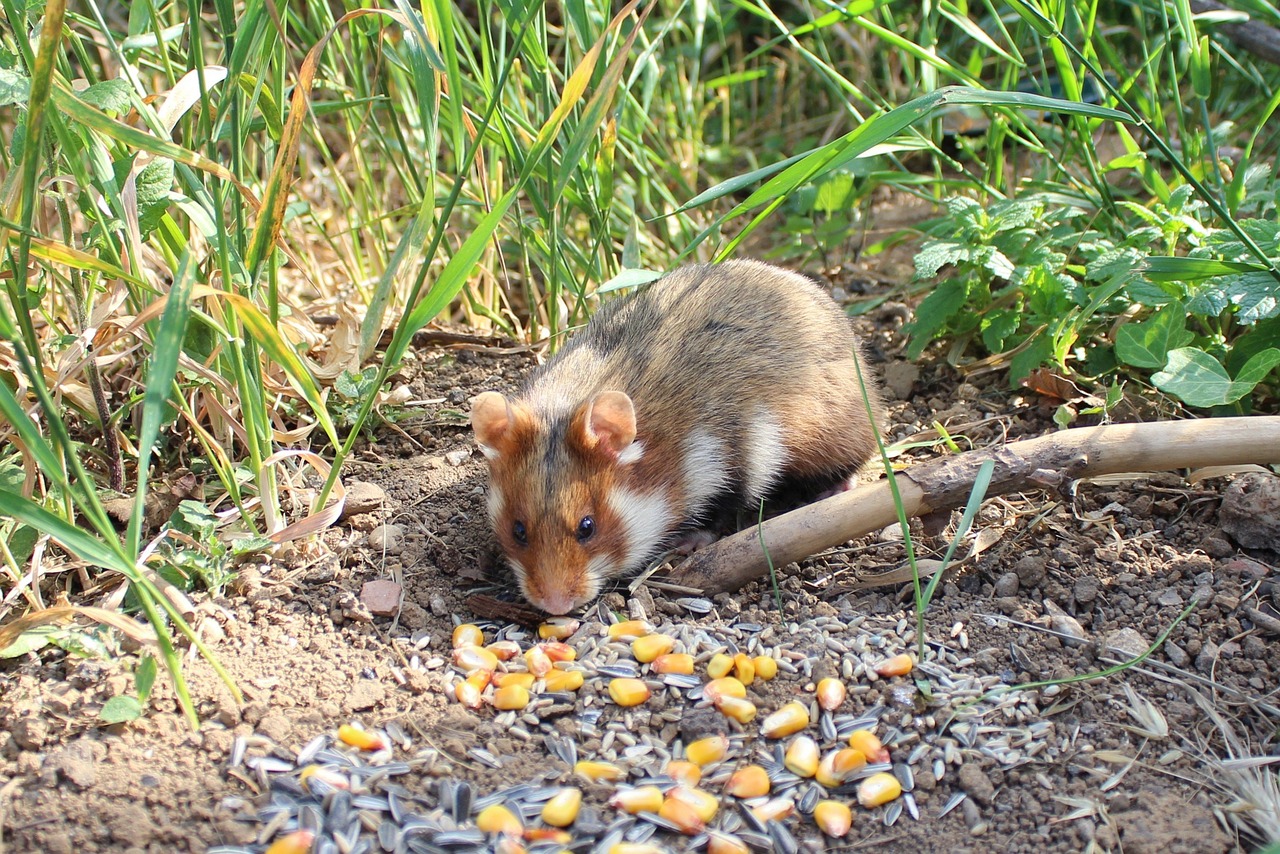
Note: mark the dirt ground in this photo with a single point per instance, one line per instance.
(1139, 761)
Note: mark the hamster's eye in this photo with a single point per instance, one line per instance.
(586, 528)
(518, 531)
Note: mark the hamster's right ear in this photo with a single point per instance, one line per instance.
(494, 420)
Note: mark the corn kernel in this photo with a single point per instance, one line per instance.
(639, 799)
(629, 630)
(707, 750)
(636, 848)
(507, 844)
(359, 738)
(865, 740)
(749, 781)
(790, 719)
(511, 697)
(723, 843)
(628, 692)
(469, 658)
(502, 680)
(742, 711)
(831, 693)
(328, 776)
(704, 803)
(674, 662)
(298, 842)
(899, 665)
(547, 834)
(878, 789)
(558, 652)
(499, 819)
(775, 809)
(684, 772)
(766, 667)
(725, 686)
(537, 660)
(838, 766)
(719, 666)
(558, 628)
(682, 815)
(467, 694)
(504, 650)
(649, 647)
(744, 669)
(467, 635)
(480, 679)
(564, 680)
(562, 808)
(598, 770)
(802, 756)
(833, 818)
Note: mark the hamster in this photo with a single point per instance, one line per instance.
(714, 383)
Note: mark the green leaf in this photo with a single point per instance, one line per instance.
(1162, 268)
(936, 254)
(145, 678)
(119, 710)
(154, 183)
(1037, 353)
(110, 96)
(1198, 379)
(29, 641)
(1147, 344)
(998, 327)
(933, 313)
(14, 88)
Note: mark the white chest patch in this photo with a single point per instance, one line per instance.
(705, 469)
(764, 454)
(646, 517)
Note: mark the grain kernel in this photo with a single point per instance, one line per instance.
(598, 770)
(749, 781)
(707, 750)
(744, 669)
(330, 777)
(469, 658)
(558, 652)
(775, 809)
(683, 816)
(511, 697)
(802, 756)
(564, 680)
(499, 819)
(298, 842)
(467, 635)
(562, 808)
(725, 686)
(838, 766)
(704, 803)
(766, 667)
(742, 711)
(359, 738)
(558, 628)
(674, 662)
(878, 789)
(831, 693)
(723, 843)
(502, 680)
(628, 692)
(833, 818)
(547, 834)
(719, 666)
(865, 740)
(479, 679)
(504, 650)
(636, 848)
(507, 844)
(467, 694)
(537, 660)
(790, 719)
(629, 630)
(899, 665)
(639, 799)
(684, 772)
(649, 647)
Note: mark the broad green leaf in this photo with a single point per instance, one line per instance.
(154, 183)
(1198, 379)
(1147, 344)
(935, 255)
(14, 87)
(119, 710)
(933, 313)
(33, 639)
(110, 96)
(145, 677)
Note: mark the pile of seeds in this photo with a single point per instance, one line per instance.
(667, 748)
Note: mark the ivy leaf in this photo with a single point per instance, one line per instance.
(933, 313)
(1198, 379)
(1254, 295)
(1147, 344)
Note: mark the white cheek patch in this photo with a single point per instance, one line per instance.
(705, 469)
(645, 520)
(489, 453)
(764, 455)
(630, 454)
(496, 503)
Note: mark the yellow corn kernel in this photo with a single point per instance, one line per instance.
(629, 630)
(598, 770)
(639, 799)
(766, 667)
(684, 772)
(744, 668)
(359, 738)
(742, 711)
(674, 662)
(511, 697)
(802, 756)
(628, 692)
(502, 680)
(480, 679)
(838, 766)
(467, 694)
(507, 844)
(865, 740)
(537, 660)
(467, 635)
(707, 750)
(334, 779)
(547, 834)
(749, 781)
(636, 848)
(499, 819)
(833, 818)
(790, 719)
(704, 803)
(649, 647)
(562, 808)
(831, 693)
(878, 789)
(725, 686)
(775, 809)
(719, 666)
(298, 842)
(504, 650)
(469, 658)
(723, 843)
(564, 680)
(558, 652)
(682, 815)
(899, 665)
(558, 628)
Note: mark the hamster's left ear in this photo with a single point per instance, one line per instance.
(495, 421)
(608, 423)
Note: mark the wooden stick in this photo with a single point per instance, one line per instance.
(1048, 462)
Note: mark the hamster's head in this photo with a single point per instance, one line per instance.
(554, 493)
